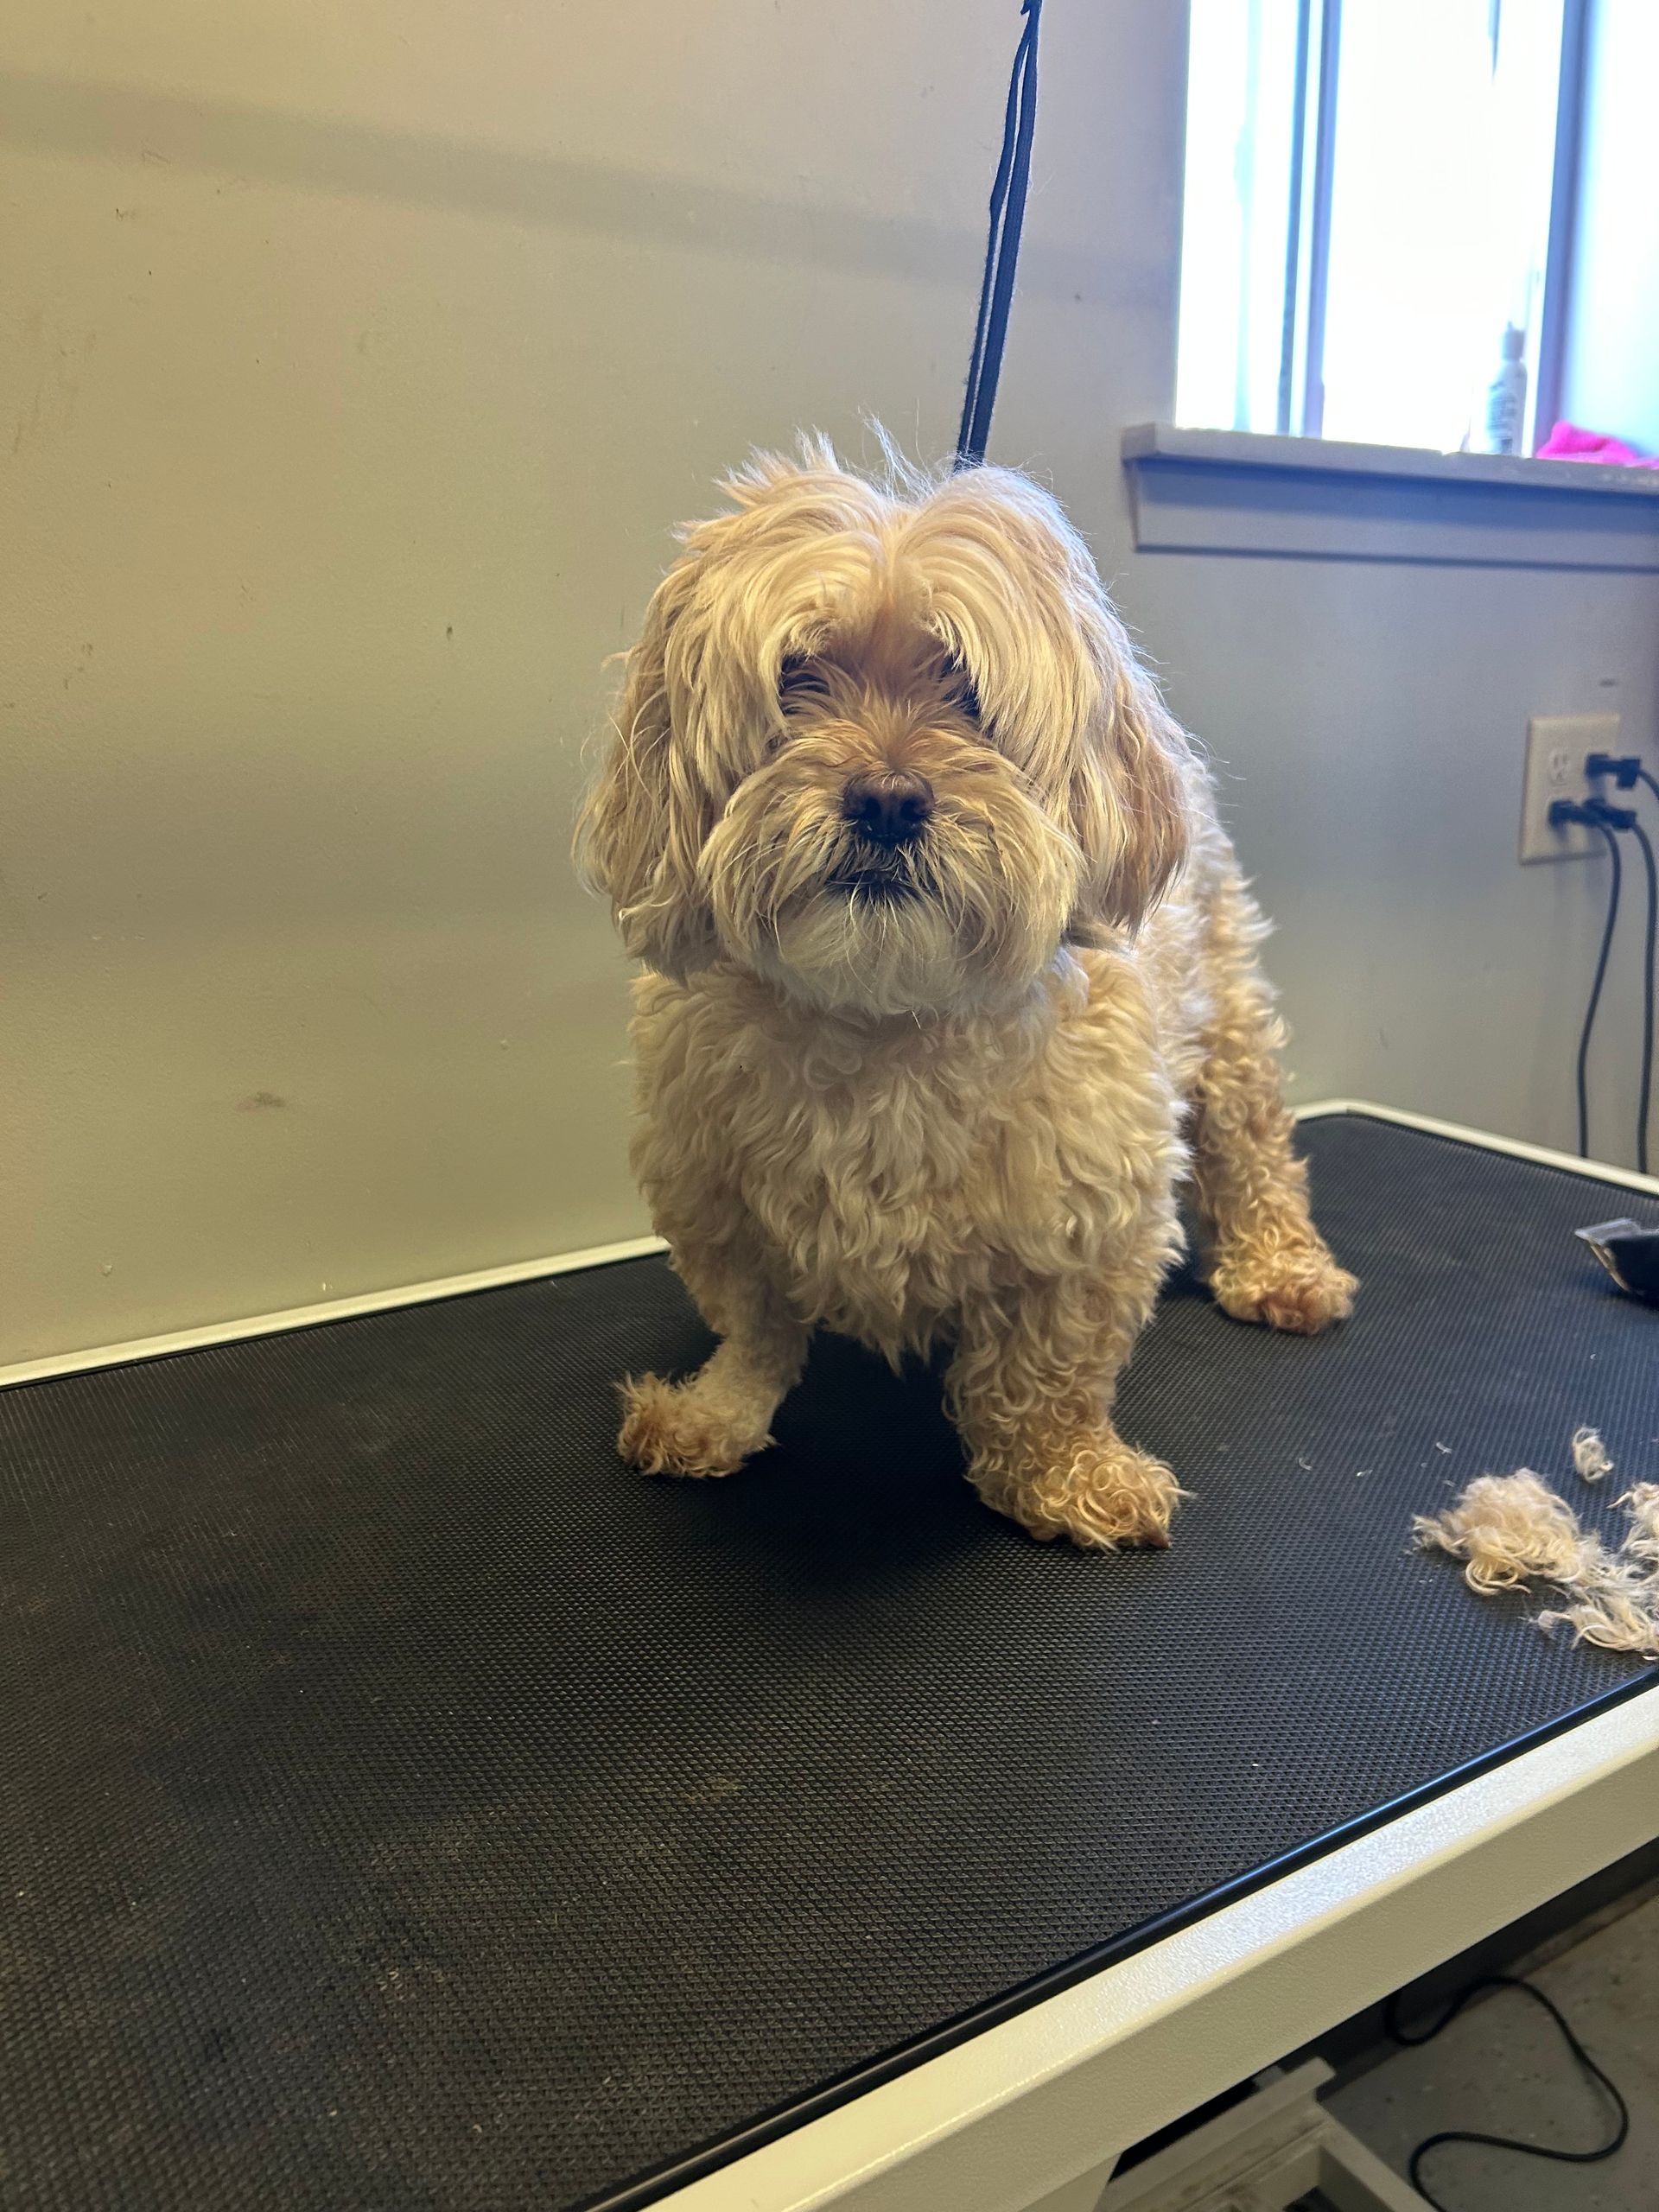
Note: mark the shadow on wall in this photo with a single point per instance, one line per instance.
(62, 115)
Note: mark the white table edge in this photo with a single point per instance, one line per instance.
(1015, 2111)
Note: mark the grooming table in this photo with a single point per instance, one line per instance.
(406, 1806)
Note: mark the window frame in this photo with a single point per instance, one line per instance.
(1296, 494)
(1301, 395)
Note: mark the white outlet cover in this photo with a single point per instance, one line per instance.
(1556, 744)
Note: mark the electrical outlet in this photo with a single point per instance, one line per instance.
(1556, 744)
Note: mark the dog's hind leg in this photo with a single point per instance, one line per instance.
(1266, 1261)
(712, 1423)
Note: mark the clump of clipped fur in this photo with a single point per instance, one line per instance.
(1590, 1455)
(1513, 1530)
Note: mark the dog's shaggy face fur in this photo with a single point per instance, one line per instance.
(952, 978)
(956, 640)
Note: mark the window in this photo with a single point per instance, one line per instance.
(1377, 193)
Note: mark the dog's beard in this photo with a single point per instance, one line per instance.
(968, 915)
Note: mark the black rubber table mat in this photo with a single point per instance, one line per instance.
(404, 1806)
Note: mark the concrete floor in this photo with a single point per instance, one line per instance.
(1502, 2067)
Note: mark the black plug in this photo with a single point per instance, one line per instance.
(1590, 813)
(1623, 768)
(1615, 817)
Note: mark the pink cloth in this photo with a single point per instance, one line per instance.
(1566, 441)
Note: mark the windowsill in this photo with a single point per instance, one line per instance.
(1236, 492)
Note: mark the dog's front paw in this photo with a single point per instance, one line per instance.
(1099, 1491)
(683, 1428)
(1300, 1291)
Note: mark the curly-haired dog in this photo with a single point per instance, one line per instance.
(952, 980)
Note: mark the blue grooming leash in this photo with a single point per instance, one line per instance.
(1002, 247)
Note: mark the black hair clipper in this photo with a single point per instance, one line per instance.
(1630, 1254)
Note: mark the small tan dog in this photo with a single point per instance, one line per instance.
(953, 981)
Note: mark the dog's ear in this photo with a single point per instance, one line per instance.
(1021, 599)
(1128, 787)
(643, 825)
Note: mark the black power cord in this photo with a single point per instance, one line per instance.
(1414, 2167)
(1650, 949)
(1002, 247)
(1592, 814)
(1627, 771)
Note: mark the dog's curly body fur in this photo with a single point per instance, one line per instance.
(952, 1099)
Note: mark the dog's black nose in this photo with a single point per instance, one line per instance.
(890, 808)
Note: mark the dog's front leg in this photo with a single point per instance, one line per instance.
(711, 1424)
(1031, 1391)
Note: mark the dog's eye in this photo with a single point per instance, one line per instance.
(799, 678)
(959, 686)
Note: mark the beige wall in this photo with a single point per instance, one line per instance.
(357, 361)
